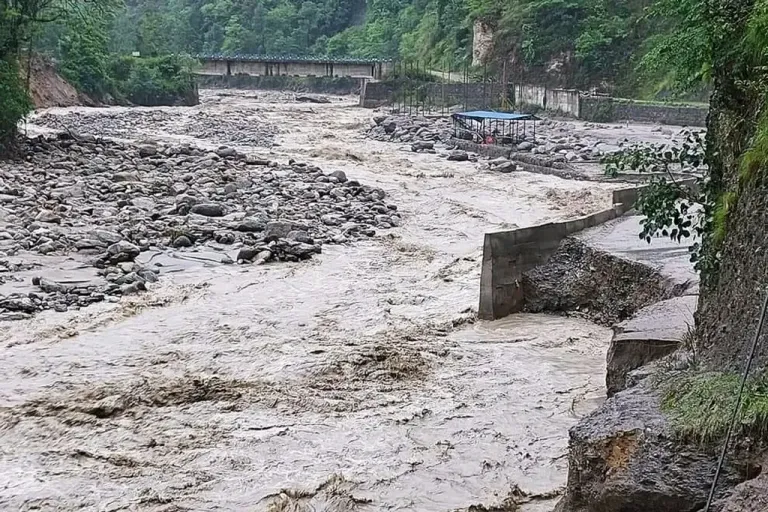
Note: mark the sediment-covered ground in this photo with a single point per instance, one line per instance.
(355, 380)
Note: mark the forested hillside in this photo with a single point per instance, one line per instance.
(641, 47)
(644, 48)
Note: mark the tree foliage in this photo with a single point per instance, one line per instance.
(670, 206)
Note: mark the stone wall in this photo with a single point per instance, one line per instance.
(606, 110)
(509, 254)
(376, 94)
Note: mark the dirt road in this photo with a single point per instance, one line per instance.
(354, 381)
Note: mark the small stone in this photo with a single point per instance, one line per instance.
(47, 216)
(182, 241)
(208, 210)
(339, 175)
(458, 156)
(147, 150)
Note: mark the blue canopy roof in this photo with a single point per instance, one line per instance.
(479, 115)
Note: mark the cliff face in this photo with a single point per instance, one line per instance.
(482, 42)
(731, 298)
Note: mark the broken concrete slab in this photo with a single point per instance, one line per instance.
(652, 333)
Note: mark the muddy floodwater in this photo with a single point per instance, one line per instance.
(358, 380)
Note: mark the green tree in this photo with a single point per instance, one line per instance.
(84, 52)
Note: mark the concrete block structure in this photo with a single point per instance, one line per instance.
(258, 65)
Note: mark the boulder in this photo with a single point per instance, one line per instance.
(750, 496)
(280, 229)
(146, 150)
(458, 155)
(624, 457)
(48, 217)
(122, 251)
(251, 225)
(182, 241)
(339, 175)
(208, 210)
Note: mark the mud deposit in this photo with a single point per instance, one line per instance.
(357, 380)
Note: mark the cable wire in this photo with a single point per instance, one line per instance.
(734, 417)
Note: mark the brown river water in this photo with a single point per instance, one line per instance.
(355, 381)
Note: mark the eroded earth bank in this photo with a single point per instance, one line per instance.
(355, 379)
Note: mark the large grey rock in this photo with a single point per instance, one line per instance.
(146, 150)
(48, 217)
(280, 229)
(208, 210)
(252, 225)
(339, 175)
(458, 155)
(526, 146)
(122, 251)
(652, 333)
(624, 458)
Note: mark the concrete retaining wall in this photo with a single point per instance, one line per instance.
(533, 95)
(565, 101)
(606, 110)
(376, 94)
(508, 254)
(472, 95)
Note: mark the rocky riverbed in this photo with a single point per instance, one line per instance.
(245, 127)
(563, 144)
(109, 202)
(559, 139)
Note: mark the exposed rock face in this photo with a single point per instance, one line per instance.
(652, 333)
(482, 42)
(604, 287)
(750, 496)
(623, 458)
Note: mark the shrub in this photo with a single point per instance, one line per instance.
(14, 102)
(154, 81)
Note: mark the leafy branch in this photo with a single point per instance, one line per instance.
(671, 207)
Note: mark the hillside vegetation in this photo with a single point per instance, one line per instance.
(643, 48)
